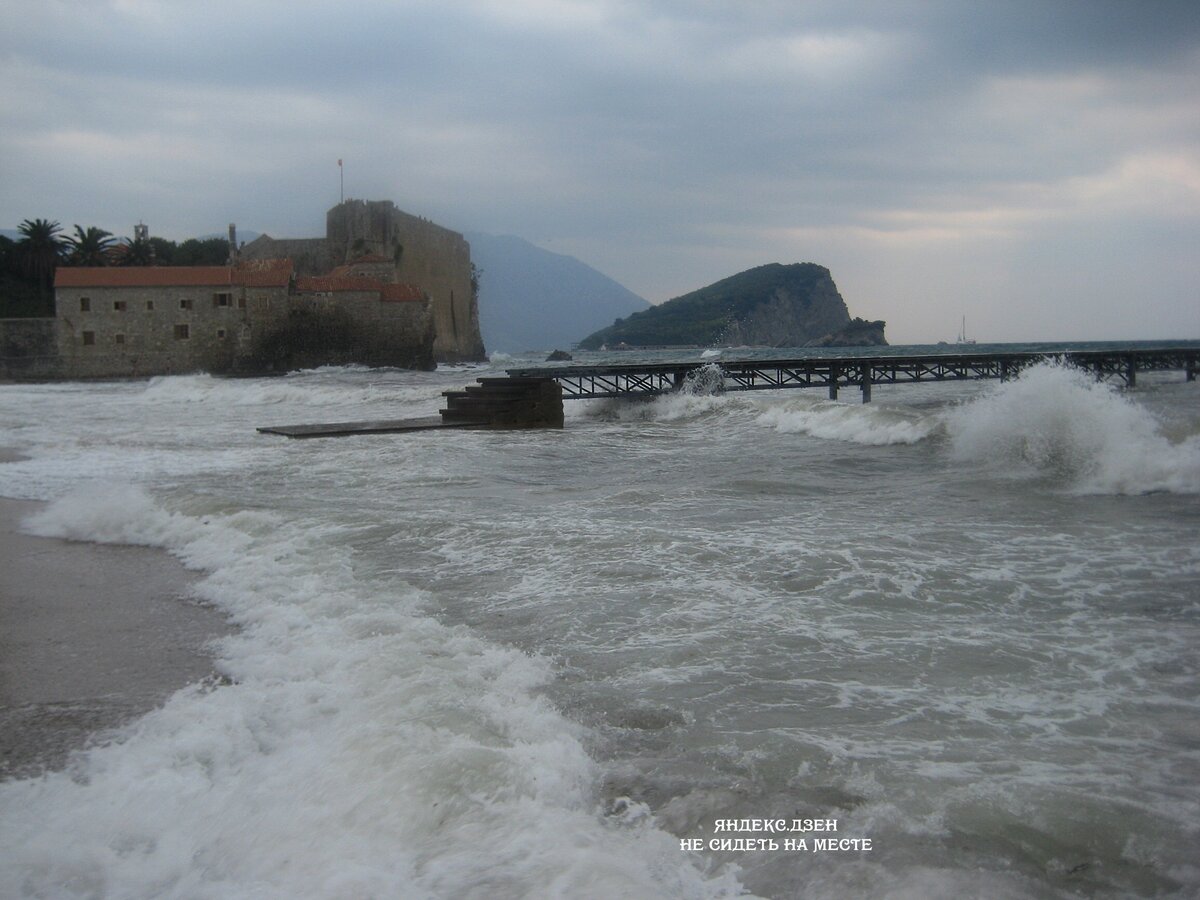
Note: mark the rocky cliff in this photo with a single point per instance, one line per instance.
(769, 306)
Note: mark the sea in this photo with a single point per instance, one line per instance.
(711, 644)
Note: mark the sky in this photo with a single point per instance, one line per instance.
(1032, 167)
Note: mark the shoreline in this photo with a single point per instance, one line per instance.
(91, 637)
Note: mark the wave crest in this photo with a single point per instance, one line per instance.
(859, 424)
(1056, 421)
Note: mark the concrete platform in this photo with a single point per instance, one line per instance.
(379, 426)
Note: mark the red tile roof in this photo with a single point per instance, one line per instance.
(388, 293)
(331, 283)
(265, 272)
(253, 273)
(256, 273)
(402, 293)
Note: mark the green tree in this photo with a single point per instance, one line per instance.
(207, 252)
(134, 253)
(93, 247)
(8, 256)
(39, 251)
(164, 251)
(19, 294)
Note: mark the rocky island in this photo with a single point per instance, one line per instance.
(774, 305)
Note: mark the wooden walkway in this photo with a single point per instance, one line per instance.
(834, 373)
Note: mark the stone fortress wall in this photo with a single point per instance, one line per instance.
(434, 258)
(29, 349)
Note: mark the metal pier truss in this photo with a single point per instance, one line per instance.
(833, 373)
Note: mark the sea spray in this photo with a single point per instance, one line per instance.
(1058, 422)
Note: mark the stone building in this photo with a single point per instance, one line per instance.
(394, 246)
(257, 316)
(130, 321)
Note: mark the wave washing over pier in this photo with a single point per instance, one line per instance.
(961, 622)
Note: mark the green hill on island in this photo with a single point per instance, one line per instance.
(774, 305)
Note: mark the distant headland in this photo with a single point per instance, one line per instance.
(774, 305)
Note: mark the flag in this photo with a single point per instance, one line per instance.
(339, 163)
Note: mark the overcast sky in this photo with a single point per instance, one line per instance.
(1033, 166)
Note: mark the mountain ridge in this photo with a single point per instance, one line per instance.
(535, 299)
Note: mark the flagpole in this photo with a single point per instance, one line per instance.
(341, 183)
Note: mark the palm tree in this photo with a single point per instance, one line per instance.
(137, 252)
(39, 250)
(90, 248)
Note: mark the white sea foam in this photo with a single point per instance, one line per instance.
(859, 423)
(363, 750)
(112, 513)
(1057, 421)
(1000, 695)
(700, 394)
(315, 388)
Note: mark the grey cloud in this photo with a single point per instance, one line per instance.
(655, 134)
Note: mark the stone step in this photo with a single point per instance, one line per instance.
(506, 403)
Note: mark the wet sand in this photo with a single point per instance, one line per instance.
(91, 636)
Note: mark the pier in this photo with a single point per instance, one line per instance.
(532, 397)
(836, 373)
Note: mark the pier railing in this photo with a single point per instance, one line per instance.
(834, 373)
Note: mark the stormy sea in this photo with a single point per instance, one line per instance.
(713, 644)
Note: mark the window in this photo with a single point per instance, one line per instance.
(118, 306)
(182, 333)
(85, 304)
(222, 299)
(220, 334)
(149, 305)
(118, 338)
(185, 304)
(89, 338)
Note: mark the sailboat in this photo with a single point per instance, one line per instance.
(962, 335)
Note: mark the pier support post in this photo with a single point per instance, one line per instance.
(1004, 376)
(833, 382)
(1191, 374)
(865, 383)
(1130, 372)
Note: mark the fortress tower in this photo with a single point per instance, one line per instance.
(435, 259)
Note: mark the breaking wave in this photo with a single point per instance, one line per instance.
(310, 388)
(857, 423)
(1056, 421)
(362, 749)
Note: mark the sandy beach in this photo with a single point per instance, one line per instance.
(91, 636)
